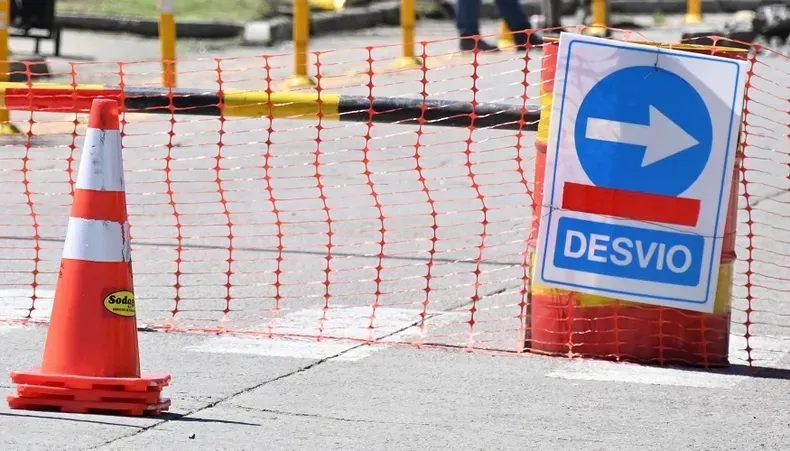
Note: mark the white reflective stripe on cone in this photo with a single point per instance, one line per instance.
(96, 240)
(101, 164)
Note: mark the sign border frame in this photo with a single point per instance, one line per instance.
(728, 161)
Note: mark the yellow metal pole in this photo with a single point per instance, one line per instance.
(167, 42)
(301, 38)
(6, 128)
(694, 12)
(599, 19)
(505, 41)
(408, 20)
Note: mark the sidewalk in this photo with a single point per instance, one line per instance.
(405, 399)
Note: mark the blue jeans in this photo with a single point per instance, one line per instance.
(467, 17)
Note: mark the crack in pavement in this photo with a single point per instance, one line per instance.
(286, 251)
(468, 302)
(333, 418)
(772, 196)
(215, 403)
(179, 417)
(251, 388)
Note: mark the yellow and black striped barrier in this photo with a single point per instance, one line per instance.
(285, 105)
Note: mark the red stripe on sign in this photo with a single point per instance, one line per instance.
(630, 204)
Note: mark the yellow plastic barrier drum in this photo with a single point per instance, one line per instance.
(566, 322)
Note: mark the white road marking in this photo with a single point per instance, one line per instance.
(353, 322)
(296, 349)
(6, 328)
(593, 370)
(341, 322)
(770, 350)
(15, 304)
(766, 352)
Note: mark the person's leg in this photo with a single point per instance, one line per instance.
(517, 22)
(467, 17)
(513, 15)
(467, 20)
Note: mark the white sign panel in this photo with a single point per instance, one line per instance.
(638, 172)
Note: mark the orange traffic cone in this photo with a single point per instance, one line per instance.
(91, 357)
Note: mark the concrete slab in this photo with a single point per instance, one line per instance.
(199, 380)
(405, 398)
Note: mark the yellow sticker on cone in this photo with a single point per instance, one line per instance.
(121, 303)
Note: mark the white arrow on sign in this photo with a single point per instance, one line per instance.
(662, 138)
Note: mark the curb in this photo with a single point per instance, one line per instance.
(148, 27)
(679, 6)
(387, 12)
(18, 67)
(280, 29)
(648, 7)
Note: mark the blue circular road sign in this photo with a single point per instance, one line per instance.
(643, 129)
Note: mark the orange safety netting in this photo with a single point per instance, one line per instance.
(306, 227)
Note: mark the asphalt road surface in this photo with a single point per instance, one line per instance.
(243, 392)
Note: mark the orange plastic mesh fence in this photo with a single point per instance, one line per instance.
(307, 227)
